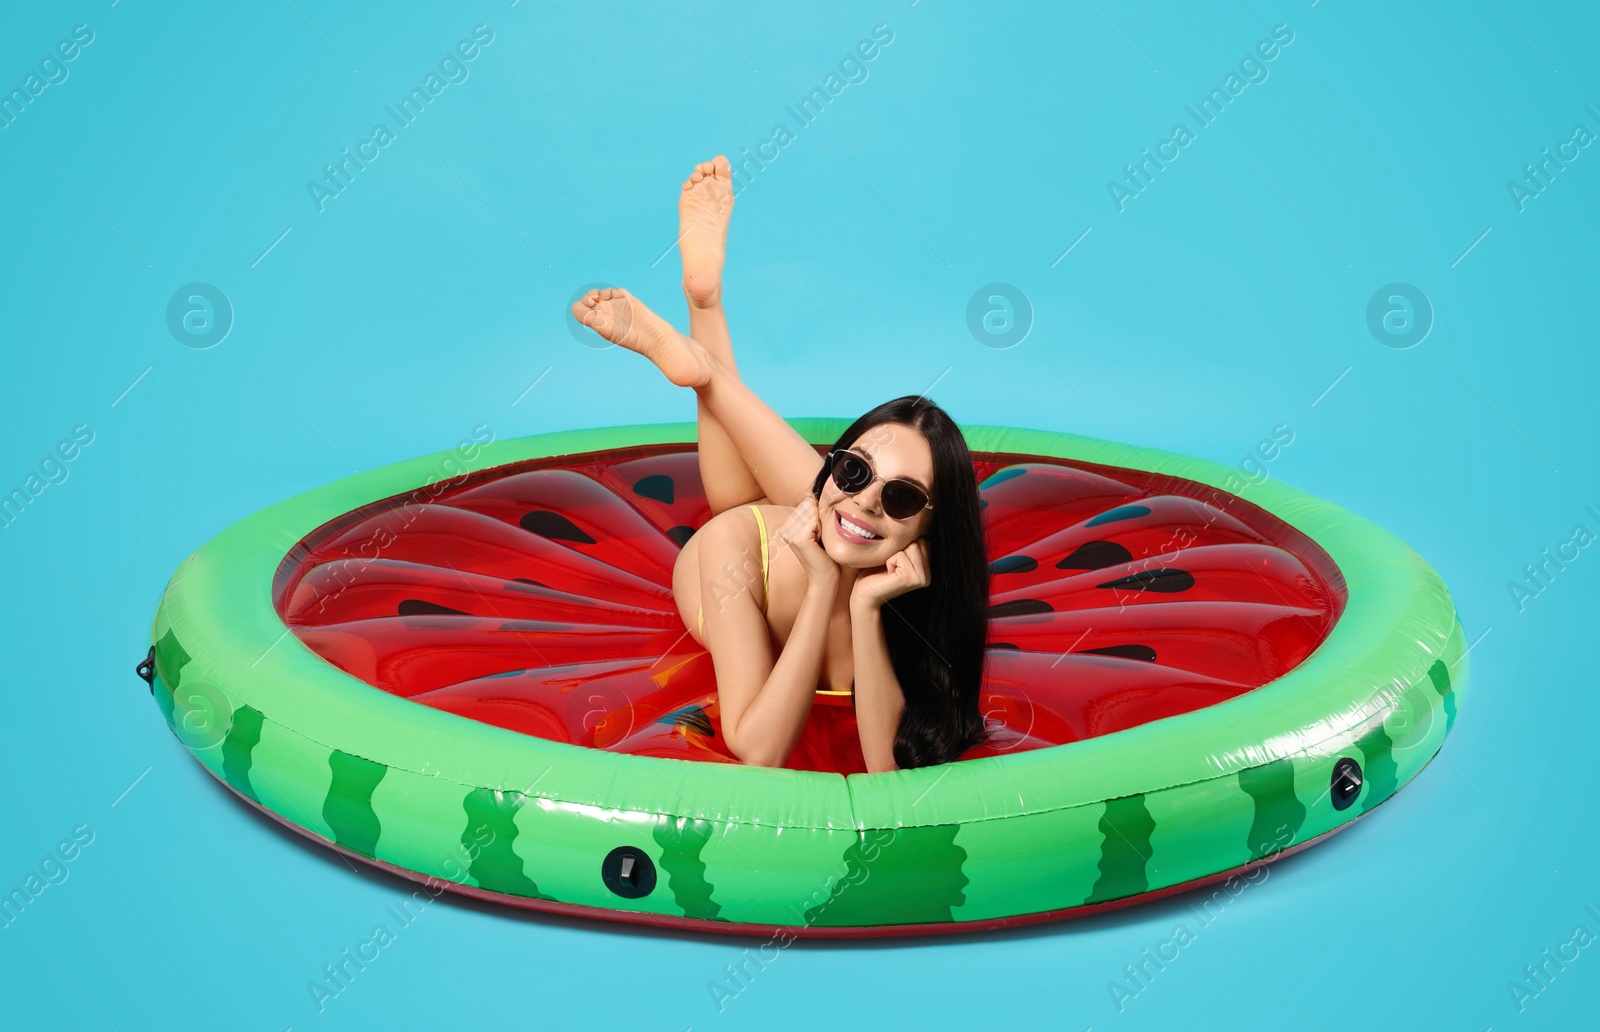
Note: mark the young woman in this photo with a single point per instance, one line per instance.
(862, 572)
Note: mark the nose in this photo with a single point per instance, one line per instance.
(870, 498)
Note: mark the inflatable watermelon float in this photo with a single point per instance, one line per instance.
(468, 669)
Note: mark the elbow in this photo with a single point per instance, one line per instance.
(758, 758)
(747, 753)
(733, 745)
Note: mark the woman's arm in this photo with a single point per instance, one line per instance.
(878, 698)
(764, 729)
(763, 704)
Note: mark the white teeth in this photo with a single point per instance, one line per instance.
(857, 528)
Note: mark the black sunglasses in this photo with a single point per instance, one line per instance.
(852, 474)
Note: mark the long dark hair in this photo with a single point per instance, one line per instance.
(937, 634)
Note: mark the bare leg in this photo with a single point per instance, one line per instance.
(704, 207)
(783, 463)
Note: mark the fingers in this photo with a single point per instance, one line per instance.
(800, 520)
(915, 559)
(813, 524)
(802, 525)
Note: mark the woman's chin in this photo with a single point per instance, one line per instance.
(856, 558)
(853, 556)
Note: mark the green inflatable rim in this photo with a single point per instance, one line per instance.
(1398, 625)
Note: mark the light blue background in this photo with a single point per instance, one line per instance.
(1222, 303)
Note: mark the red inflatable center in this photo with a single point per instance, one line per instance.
(537, 597)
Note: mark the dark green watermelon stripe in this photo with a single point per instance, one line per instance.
(1440, 675)
(496, 867)
(1125, 830)
(348, 806)
(1279, 812)
(243, 736)
(1379, 776)
(681, 839)
(912, 875)
(171, 658)
(164, 700)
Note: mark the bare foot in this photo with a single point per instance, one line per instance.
(703, 211)
(623, 319)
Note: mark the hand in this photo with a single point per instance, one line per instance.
(800, 531)
(905, 571)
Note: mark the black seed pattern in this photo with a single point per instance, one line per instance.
(1019, 607)
(554, 526)
(1095, 555)
(681, 535)
(657, 486)
(1014, 564)
(521, 626)
(1121, 512)
(1164, 580)
(1140, 652)
(417, 607)
(1005, 645)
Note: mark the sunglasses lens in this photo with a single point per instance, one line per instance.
(901, 500)
(850, 473)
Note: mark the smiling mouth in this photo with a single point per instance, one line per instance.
(853, 532)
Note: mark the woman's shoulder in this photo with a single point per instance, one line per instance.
(731, 545)
(738, 526)
(741, 517)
